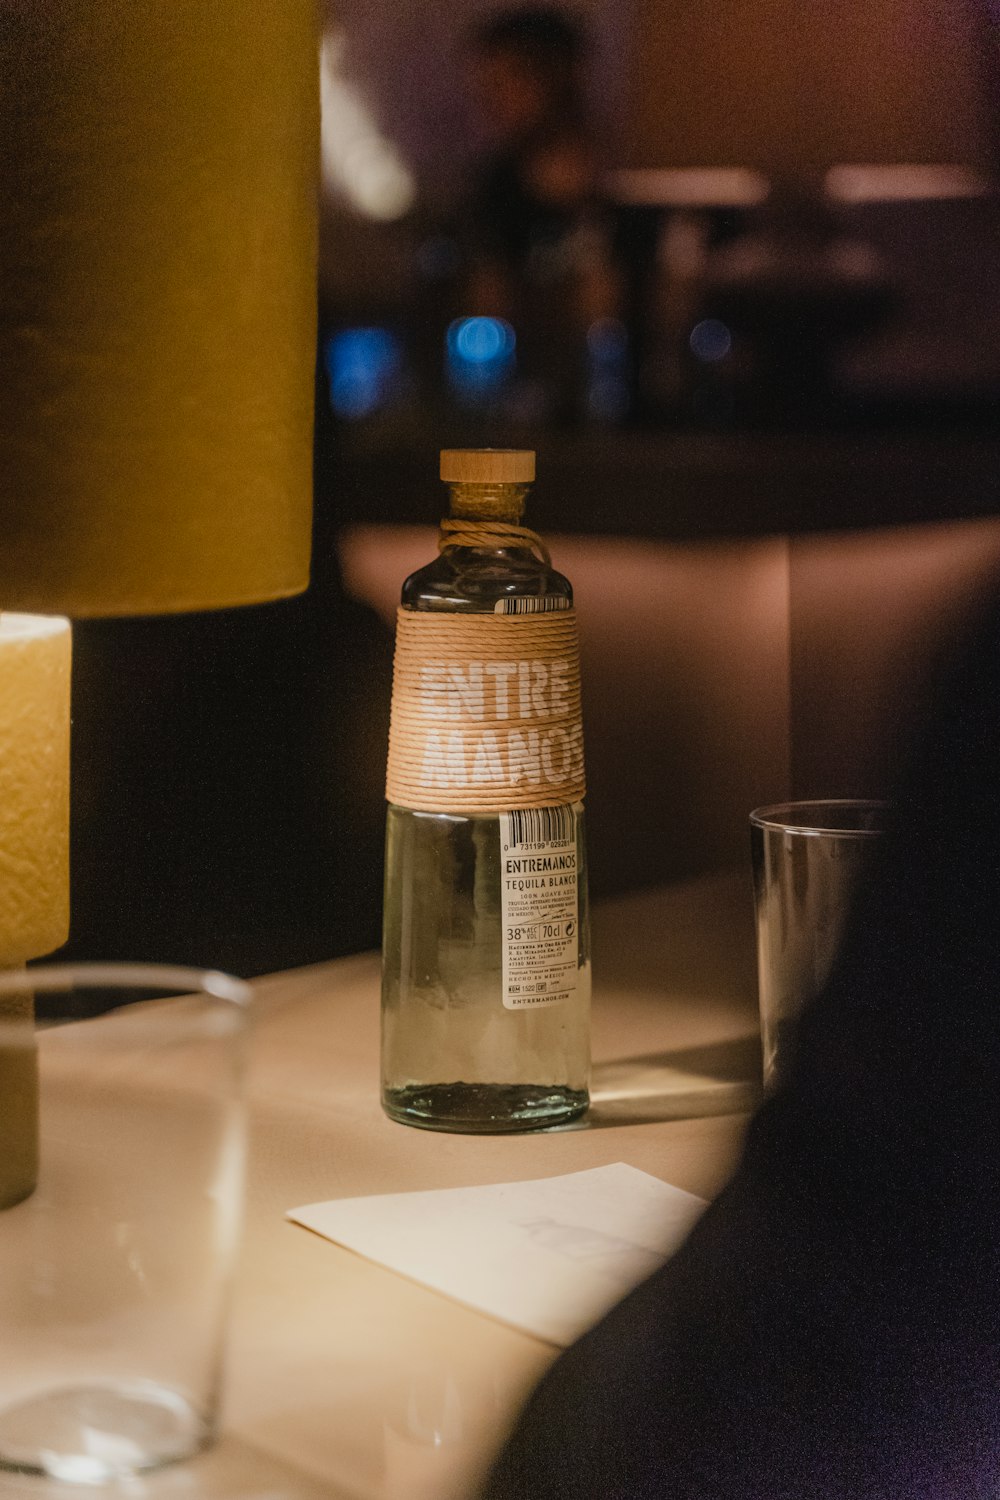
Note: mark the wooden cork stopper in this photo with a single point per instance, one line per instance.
(487, 465)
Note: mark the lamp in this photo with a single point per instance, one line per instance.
(34, 858)
(157, 328)
(157, 303)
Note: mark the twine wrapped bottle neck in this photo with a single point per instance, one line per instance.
(457, 531)
(489, 514)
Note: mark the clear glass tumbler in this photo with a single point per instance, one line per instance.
(117, 1256)
(806, 860)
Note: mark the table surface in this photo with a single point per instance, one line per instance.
(346, 1380)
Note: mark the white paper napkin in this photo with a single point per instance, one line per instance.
(547, 1256)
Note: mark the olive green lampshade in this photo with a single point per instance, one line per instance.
(157, 302)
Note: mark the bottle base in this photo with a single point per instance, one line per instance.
(484, 1108)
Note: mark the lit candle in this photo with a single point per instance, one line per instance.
(34, 858)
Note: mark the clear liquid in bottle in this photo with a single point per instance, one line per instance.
(465, 1046)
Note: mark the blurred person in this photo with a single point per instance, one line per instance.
(534, 227)
(831, 1328)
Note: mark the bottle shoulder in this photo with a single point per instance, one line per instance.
(473, 580)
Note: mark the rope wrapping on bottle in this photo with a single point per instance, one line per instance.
(485, 712)
(468, 533)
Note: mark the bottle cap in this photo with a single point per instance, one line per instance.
(487, 465)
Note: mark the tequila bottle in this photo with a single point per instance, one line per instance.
(486, 960)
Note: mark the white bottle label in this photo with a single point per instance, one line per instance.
(539, 874)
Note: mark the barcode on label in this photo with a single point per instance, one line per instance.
(530, 604)
(537, 825)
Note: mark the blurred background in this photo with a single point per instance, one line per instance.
(672, 216)
(733, 272)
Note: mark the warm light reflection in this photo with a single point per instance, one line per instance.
(690, 187)
(886, 182)
(357, 160)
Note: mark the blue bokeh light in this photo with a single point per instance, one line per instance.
(607, 371)
(480, 356)
(364, 367)
(710, 340)
(607, 341)
(481, 340)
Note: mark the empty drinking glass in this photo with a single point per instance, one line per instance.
(119, 1229)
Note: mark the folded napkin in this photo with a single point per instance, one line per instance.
(547, 1256)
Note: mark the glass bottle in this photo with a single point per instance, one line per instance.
(456, 1053)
